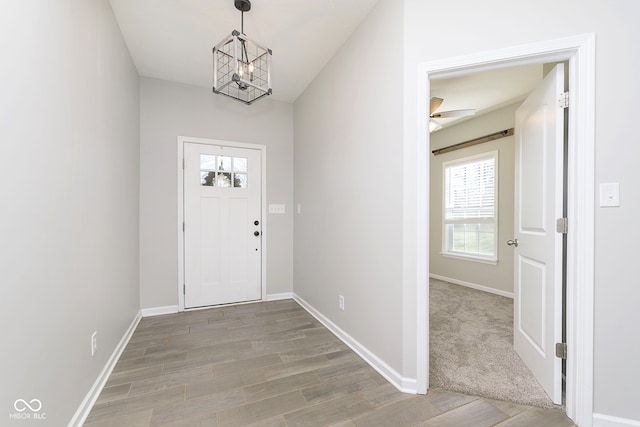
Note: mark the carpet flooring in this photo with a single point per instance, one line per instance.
(471, 347)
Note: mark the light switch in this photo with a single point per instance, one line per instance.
(610, 194)
(278, 209)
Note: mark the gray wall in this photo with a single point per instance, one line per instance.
(348, 181)
(617, 148)
(498, 277)
(69, 188)
(169, 110)
(71, 172)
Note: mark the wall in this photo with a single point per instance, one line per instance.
(348, 181)
(499, 277)
(616, 372)
(169, 110)
(69, 189)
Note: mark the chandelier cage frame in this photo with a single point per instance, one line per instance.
(242, 67)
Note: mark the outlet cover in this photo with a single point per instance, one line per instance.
(610, 194)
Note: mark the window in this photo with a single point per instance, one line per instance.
(470, 207)
(222, 171)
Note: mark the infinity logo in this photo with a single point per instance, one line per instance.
(21, 405)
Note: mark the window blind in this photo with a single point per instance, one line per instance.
(471, 190)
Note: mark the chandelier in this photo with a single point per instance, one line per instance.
(241, 67)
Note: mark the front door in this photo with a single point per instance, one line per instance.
(223, 225)
(538, 248)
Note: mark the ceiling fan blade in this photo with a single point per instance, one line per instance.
(434, 125)
(434, 104)
(454, 113)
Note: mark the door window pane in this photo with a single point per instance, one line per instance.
(224, 163)
(207, 162)
(223, 179)
(240, 180)
(240, 164)
(207, 178)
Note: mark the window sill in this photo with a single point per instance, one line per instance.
(470, 258)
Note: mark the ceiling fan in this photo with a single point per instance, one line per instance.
(435, 104)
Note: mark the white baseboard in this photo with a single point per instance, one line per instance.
(601, 420)
(405, 385)
(159, 311)
(278, 297)
(90, 399)
(472, 285)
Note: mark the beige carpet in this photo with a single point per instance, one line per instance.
(471, 347)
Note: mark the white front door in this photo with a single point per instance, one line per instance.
(223, 225)
(538, 254)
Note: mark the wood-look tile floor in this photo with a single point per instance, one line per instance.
(272, 364)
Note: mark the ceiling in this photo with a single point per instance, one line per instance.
(172, 40)
(486, 91)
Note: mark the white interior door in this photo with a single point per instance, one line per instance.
(223, 225)
(538, 254)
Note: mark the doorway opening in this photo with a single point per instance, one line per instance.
(579, 51)
(473, 201)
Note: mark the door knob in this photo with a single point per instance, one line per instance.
(256, 233)
(513, 242)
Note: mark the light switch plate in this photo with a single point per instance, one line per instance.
(278, 209)
(610, 194)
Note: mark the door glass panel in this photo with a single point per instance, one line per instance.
(208, 162)
(223, 179)
(224, 164)
(207, 178)
(223, 171)
(240, 164)
(240, 180)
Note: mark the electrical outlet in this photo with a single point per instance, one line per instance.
(94, 343)
(341, 302)
(610, 194)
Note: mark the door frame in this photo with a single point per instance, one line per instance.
(580, 52)
(182, 140)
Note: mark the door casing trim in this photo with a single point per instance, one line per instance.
(182, 140)
(579, 50)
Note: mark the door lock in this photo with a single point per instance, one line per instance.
(256, 233)
(513, 242)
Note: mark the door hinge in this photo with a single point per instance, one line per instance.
(183, 163)
(561, 350)
(184, 289)
(562, 225)
(563, 101)
(183, 226)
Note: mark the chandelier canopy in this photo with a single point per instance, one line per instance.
(241, 67)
